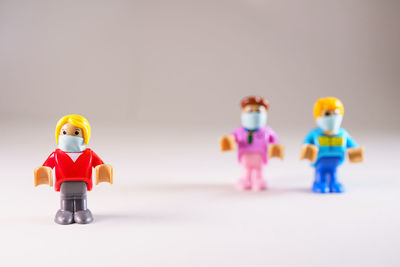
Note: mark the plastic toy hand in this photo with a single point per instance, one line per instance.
(227, 143)
(276, 150)
(42, 175)
(310, 152)
(356, 154)
(104, 173)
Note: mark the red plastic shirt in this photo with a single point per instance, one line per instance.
(68, 170)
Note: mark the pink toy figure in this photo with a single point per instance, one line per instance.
(255, 141)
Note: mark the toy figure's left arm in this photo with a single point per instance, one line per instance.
(275, 149)
(103, 172)
(355, 153)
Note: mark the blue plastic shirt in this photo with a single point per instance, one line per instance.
(330, 146)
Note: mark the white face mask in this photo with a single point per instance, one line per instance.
(254, 120)
(330, 123)
(69, 143)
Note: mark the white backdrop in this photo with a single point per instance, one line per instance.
(159, 81)
(192, 61)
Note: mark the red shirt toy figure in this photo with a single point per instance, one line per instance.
(73, 164)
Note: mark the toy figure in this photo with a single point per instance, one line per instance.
(255, 141)
(326, 145)
(73, 163)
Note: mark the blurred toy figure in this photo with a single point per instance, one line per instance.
(73, 163)
(326, 145)
(256, 142)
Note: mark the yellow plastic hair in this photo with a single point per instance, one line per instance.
(327, 103)
(76, 120)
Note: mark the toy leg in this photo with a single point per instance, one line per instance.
(82, 213)
(73, 204)
(335, 186)
(320, 184)
(252, 162)
(244, 183)
(259, 183)
(65, 215)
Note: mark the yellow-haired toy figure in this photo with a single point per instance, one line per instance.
(326, 145)
(73, 163)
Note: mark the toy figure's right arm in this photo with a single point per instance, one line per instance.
(275, 149)
(309, 150)
(42, 174)
(227, 143)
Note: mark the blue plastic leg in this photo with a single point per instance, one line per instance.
(320, 185)
(335, 186)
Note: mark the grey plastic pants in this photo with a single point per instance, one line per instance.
(73, 196)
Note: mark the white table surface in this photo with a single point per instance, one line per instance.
(173, 204)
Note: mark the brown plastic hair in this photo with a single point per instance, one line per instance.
(254, 100)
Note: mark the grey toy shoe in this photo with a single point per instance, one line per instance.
(83, 217)
(64, 217)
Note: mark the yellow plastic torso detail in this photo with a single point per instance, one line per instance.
(330, 141)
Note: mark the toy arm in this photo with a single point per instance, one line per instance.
(356, 154)
(103, 172)
(42, 174)
(309, 151)
(275, 149)
(227, 143)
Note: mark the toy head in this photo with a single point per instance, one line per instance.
(72, 133)
(254, 112)
(328, 113)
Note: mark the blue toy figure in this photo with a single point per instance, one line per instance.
(326, 145)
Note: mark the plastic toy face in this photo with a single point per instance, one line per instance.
(253, 108)
(69, 129)
(327, 113)
(330, 120)
(254, 117)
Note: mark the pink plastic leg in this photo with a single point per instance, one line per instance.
(252, 162)
(259, 183)
(244, 183)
